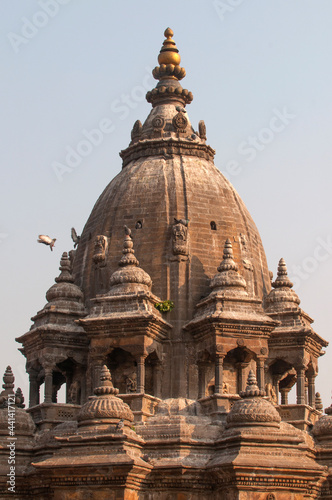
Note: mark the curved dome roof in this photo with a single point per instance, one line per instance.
(179, 206)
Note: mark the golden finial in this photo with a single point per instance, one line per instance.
(169, 53)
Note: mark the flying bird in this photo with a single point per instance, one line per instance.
(74, 237)
(43, 238)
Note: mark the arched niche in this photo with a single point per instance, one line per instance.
(153, 375)
(123, 368)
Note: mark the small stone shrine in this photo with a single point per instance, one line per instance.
(176, 356)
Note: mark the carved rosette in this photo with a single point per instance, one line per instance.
(180, 122)
(158, 122)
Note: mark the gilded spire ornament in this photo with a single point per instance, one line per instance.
(169, 53)
(169, 72)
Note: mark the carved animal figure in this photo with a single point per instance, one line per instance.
(43, 238)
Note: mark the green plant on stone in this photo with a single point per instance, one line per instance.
(165, 306)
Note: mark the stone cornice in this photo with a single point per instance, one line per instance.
(167, 148)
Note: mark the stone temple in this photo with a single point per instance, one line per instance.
(176, 351)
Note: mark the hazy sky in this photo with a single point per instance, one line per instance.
(261, 75)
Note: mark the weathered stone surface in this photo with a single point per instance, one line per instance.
(177, 358)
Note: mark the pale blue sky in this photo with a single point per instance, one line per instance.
(247, 63)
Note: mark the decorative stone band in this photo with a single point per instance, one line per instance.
(168, 71)
(167, 148)
(161, 93)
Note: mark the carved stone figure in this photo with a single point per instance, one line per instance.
(136, 130)
(180, 237)
(243, 241)
(270, 392)
(180, 122)
(73, 396)
(158, 124)
(131, 384)
(225, 388)
(202, 130)
(100, 250)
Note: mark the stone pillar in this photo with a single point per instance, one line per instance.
(284, 396)
(83, 390)
(275, 380)
(96, 373)
(240, 376)
(201, 380)
(311, 391)
(92, 377)
(260, 373)
(157, 380)
(141, 374)
(300, 396)
(219, 371)
(48, 388)
(33, 389)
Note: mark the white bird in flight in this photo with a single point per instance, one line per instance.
(43, 238)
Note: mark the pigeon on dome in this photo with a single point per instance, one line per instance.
(46, 240)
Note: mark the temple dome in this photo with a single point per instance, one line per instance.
(168, 173)
(105, 406)
(323, 426)
(252, 409)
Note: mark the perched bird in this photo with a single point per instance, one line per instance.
(43, 238)
(127, 231)
(120, 425)
(74, 237)
(181, 221)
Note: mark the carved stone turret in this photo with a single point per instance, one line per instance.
(56, 346)
(294, 348)
(105, 408)
(125, 320)
(130, 277)
(167, 130)
(16, 433)
(252, 409)
(232, 333)
(169, 72)
(228, 280)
